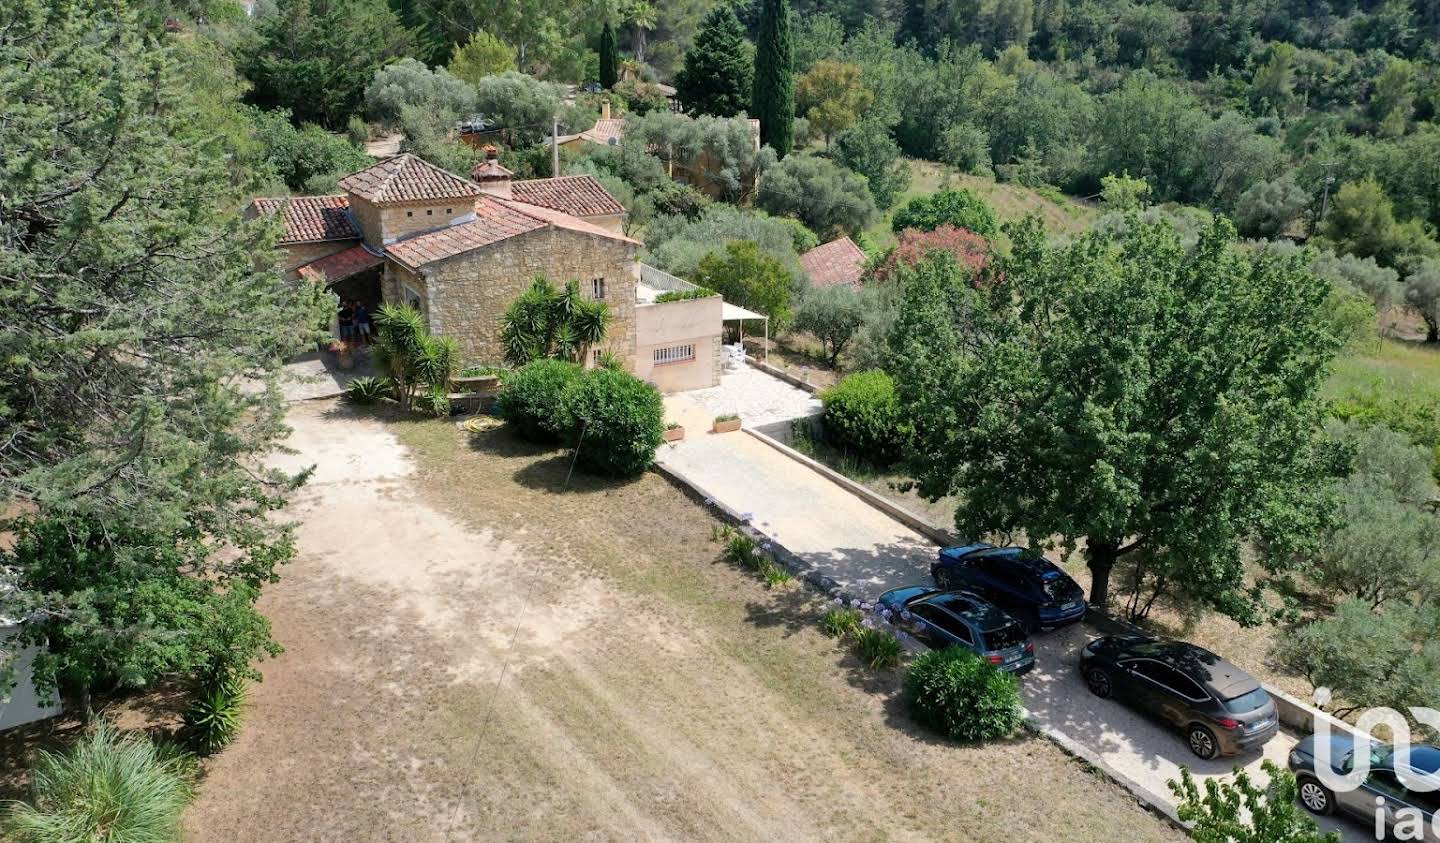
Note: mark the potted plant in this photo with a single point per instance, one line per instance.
(674, 432)
(344, 355)
(726, 423)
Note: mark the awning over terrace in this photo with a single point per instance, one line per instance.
(340, 265)
(735, 313)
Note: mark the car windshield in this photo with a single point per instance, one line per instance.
(1005, 637)
(1247, 702)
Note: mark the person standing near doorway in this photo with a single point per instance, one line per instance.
(347, 321)
(362, 323)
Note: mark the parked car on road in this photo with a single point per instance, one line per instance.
(942, 619)
(1220, 708)
(1397, 784)
(1031, 588)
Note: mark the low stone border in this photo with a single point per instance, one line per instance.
(783, 375)
(880, 502)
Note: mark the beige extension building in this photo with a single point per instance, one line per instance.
(460, 250)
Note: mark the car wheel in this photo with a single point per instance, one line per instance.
(1098, 681)
(1203, 742)
(1315, 797)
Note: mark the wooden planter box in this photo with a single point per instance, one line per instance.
(674, 434)
(725, 426)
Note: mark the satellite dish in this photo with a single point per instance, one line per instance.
(613, 141)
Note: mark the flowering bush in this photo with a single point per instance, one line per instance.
(962, 696)
(969, 249)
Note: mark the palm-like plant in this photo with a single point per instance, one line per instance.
(405, 350)
(549, 322)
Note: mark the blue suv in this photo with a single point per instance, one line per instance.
(1030, 588)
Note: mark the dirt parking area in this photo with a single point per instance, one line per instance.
(476, 652)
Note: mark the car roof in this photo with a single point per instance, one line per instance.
(1218, 675)
(971, 607)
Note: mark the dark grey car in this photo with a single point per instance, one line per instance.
(1401, 789)
(1220, 708)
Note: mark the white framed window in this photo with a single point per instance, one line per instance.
(596, 357)
(597, 288)
(674, 354)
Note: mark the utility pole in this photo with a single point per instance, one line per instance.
(1325, 195)
(555, 146)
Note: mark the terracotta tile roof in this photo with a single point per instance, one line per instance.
(581, 196)
(340, 265)
(495, 220)
(837, 262)
(310, 219)
(406, 178)
(605, 130)
(560, 219)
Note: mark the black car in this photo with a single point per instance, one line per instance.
(942, 619)
(1028, 587)
(1220, 708)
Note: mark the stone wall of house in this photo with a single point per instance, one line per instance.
(465, 297)
(299, 254)
(390, 222)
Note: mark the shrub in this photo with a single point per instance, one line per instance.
(840, 622)
(212, 719)
(532, 397)
(748, 277)
(368, 390)
(959, 208)
(828, 198)
(774, 574)
(741, 551)
(435, 401)
(407, 352)
(969, 249)
(962, 696)
(862, 412)
(107, 786)
(616, 420)
(684, 295)
(483, 371)
(878, 648)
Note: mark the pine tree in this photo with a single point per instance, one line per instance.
(716, 78)
(774, 98)
(609, 57)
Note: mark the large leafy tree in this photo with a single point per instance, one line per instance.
(1158, 403)
(142, 330)
(825, 196)
(745, 275)
(716, 78)
(868, 150)
(1245, 812)
(483, 55)
(832, 97)
(773, 98)
(315, 57)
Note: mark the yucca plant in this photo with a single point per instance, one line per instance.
(741, 551)
(106, 788)
(405, 350)
(545, 321)
(212, 720)
(368, 390)
(774, 574)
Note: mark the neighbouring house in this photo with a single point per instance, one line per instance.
(609, 131)
(461, 250)
(837, 262)
(21, 703)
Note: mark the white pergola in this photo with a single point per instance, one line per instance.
(735, 313)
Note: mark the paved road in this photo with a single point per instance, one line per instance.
(868, 552)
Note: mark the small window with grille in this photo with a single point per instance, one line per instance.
(597, 357)
(674, 354)
(597, 288)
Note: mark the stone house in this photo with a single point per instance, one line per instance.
(460, 250)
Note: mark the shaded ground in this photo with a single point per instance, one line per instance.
(474, 653)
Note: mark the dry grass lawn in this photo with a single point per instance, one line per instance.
(477, 652)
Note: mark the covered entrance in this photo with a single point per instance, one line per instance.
(353, 275)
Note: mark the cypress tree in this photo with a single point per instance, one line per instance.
(716, 78)
(774, 99)
(609, 57)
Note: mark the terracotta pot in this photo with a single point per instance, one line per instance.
(345, 359)
(726, 426)
(674, 434)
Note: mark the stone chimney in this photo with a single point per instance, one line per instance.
(491, 176)
(605, 109)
